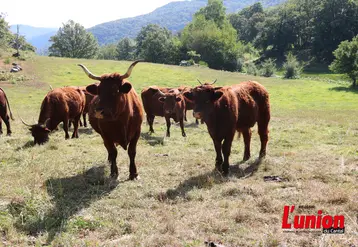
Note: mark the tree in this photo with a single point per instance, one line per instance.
(72, 40)
(158, 45)
(213, 38)
(107, 52)
(346, 59)
(125, 49)
(5, 34)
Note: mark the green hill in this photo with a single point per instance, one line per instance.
(174, 16)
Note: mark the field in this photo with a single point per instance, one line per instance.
(59, 194)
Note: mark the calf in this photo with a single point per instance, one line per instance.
(116, 114)
(164, 102)
(174, 107)
(59, 105)
(4, 116)
(226, 110)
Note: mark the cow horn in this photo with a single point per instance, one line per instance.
(45, 124)
(90, 75)
(161, 93)
(129, 71)
(200, 82)
(213, 82)
(29, 125)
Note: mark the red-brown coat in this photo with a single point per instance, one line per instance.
(59, 105)
(4, 104)
(164, 102)
(226, 110)
(116, 114)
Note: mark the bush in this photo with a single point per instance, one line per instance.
(240, 64)
(292, 67)
(251, 69)
(203, 63)
(268, 67)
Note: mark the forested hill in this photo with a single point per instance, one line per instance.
(173, 16)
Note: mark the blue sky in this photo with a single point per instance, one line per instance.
(47, 13)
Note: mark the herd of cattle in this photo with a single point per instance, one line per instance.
(116, 113)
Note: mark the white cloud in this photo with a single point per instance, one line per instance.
(46, 13)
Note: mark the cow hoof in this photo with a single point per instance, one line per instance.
(168, 135)
(8, 134)
(246, 157)
(114, 176)
(134, 177)
(225, 173)
(262, 155)
(183, 134)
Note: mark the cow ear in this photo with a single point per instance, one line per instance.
(161, 99)
(92, 89)
(217, 95)
(189, 95)
(177, 99)
(125, 88)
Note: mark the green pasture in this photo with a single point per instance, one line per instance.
(59, 194)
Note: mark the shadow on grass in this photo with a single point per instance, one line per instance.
(27, 145)
(152, 140)
(349, 89)
(209, 179)
(69, 196)
(83, 130)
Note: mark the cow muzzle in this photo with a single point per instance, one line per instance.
(99, 113)
(197, 115)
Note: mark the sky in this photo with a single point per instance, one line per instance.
(49, 13)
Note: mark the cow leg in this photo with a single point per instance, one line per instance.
(186, 120)
(247, 139)
(196, 121)
(69, 124)
(75, 127)
(150, 120)
(65, 128)
(167, 119)
(181, 122)
(0, 126)
(263, 132)
(112, 157)
(80, 122)
(226, 148)
(7, 123)
(219, 158)
(132, 150)
(84, 120)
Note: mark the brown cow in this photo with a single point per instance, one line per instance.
(173, 107)
(59, 105)
(4, 104)
(116, 114)
(226, 110)
(89, 97)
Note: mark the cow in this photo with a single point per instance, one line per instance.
(164, 102)
(116, 113)
(4, 116)
(89, 97)
(228, 109)
(59, 105)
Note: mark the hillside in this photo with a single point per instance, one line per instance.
(173, 16)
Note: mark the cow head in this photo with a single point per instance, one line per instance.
(39, 131)
(170, 100)
(204, 98)
(110, 92)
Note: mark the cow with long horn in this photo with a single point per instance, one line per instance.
(4, 116)
(59, 105)
(116, 114)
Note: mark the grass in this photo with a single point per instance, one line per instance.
(59, 194)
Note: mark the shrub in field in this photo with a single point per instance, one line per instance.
(251, 69)
(292, 67)
(346, 59)
(268, 68)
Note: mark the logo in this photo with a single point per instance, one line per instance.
(328, 223)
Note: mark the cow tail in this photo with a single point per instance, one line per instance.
(8, 105)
